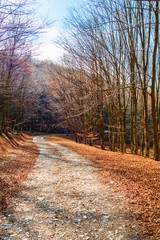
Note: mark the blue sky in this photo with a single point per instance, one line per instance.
(53, 10)
(56, 9)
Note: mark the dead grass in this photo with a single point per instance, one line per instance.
(17, 157)
(136, 177)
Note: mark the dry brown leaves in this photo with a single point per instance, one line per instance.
(17, 158)
(136, 177)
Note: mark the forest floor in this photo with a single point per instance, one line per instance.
(17, 157)
(135, 177)
(131, 182)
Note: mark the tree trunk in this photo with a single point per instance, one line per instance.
(155, 129)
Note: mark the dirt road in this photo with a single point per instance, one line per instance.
(64, 199)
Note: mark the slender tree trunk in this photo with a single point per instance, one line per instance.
(102, 133)
(146, 129)
(155, 129)
(3, 117)
(109, 128)
(134, 143)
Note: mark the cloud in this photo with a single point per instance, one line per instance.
(50, 35)
(47, 48)
(50, 52)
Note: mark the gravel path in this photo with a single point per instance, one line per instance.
(64, 199)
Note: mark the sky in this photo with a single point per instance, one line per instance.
(52, 11)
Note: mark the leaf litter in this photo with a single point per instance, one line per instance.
(135, 177)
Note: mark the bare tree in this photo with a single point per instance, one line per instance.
(17, 31)
(114, 43)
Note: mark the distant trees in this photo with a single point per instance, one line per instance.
(41, 112)
(17, 31)
(113, 47)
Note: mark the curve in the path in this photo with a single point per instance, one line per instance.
(63, 199)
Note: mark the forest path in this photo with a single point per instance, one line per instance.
(63, 199)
